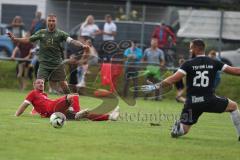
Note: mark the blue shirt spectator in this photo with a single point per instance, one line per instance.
(134, 56)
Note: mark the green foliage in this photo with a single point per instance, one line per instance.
(229, 84)
(8, 75)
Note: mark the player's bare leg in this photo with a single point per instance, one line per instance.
(85, 114)
(53, 87)
(64, 86)
(235, 115)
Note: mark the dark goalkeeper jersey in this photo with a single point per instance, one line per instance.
(200, 76)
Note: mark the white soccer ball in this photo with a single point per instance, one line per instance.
(57, 119)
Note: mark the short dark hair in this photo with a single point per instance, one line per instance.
(52, 15)
(199, 43)
(134, 41)
(108, 16)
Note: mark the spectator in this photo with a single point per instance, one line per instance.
(74, 54)
(154, 57)
(82, 69)
(34, 62)
(37, 23)
(134, 56)
(109, 32)
(17, 27)
(109, 29)
(162, 33)
(212, 54)
(22, 67)
(89, 29)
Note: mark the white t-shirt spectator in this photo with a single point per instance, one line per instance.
(109, 28)
(89, 30)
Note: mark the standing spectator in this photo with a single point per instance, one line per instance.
(17, 27)
(162, 33)
(82, 69)
(109, 32)
(134, 56)
(73, 53)
(89, 29)
(154, 57)
(22, 67)
(109, 29)
(37, 23)
(212, 54)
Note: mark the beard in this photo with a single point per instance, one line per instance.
(192, 55)
(51, 27)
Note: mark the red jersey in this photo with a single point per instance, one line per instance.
(162, 33)
(45, 106)
(39, 100)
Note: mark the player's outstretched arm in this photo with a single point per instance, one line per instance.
(77, 43)
(232, 70)
(21, 108)
(173, 78)
(17, 40)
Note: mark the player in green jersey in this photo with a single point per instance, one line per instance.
(51, 51)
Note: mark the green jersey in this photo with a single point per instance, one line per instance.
(51, 47)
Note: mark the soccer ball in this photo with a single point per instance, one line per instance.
(57, 119)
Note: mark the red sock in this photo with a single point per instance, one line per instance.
(95, 117)
(75, 104)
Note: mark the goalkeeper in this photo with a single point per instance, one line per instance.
(200, 75)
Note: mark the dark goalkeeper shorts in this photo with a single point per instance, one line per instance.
(191, 112)
(57, 74)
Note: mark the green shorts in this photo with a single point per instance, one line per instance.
(57, 74)
(153, 71)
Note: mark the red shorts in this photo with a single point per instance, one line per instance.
(58, 105)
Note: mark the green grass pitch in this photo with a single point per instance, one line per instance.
(130, 138)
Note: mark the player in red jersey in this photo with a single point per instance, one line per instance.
(45, 106)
